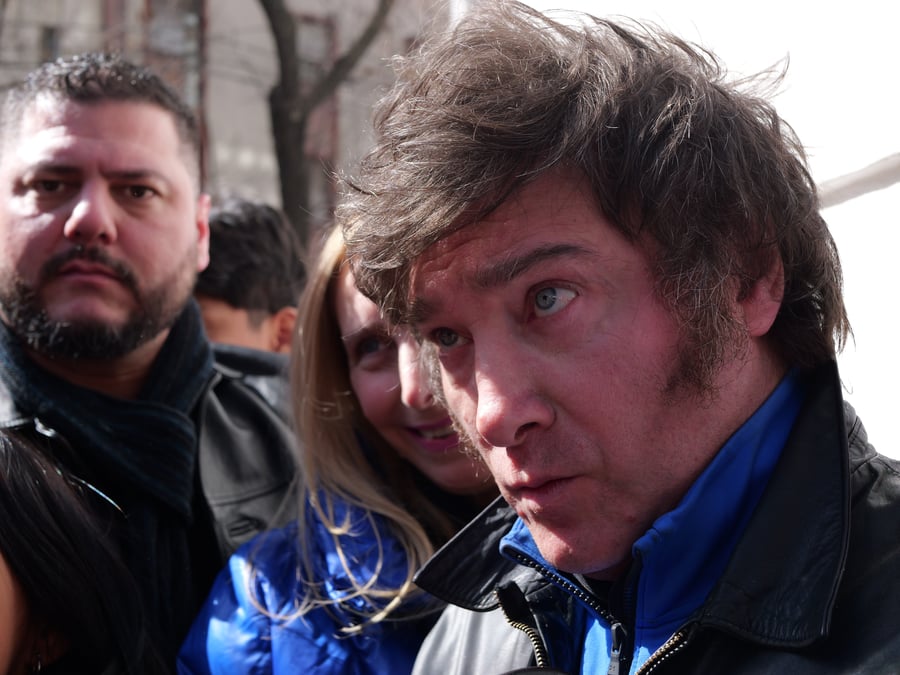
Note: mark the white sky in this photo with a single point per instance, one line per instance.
(842, 97)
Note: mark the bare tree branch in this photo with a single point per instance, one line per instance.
(284, 32)
(348, 60)
(291, 101)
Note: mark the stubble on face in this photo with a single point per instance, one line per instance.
(702, 356)
(432, 365)
(156, 310)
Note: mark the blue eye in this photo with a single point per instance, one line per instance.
(549, 300)
(372, 351)
(545, 298)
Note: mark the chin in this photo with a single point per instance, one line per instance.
(592, 560)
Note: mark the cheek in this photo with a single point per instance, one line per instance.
(27, 247)
(462, 405)
(379, 396)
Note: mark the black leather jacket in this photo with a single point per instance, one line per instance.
(245, 455)
(246, 442)
(813, 585)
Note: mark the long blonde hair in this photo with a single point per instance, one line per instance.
(338, 453)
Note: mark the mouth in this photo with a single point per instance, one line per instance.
(435, 433)
(436, 437)
(82, 268)
(536, 489)
(90, 265)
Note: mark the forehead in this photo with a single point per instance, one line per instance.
(125, 135)
(553, 217)
(353, 310)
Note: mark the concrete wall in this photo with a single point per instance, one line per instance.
(28, 23)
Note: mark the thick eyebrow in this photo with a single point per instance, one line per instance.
(508, 269)
(498, 274)
(136, 175)
(376, 328)
(51, 167)
(118, 174)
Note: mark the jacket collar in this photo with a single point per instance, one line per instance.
(471, 584)
(803, 518)
(784, 599)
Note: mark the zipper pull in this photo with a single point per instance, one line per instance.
(619, 638)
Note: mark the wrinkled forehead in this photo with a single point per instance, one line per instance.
(457, 256)
(461, 248)
(532, 216)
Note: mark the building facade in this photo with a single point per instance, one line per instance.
(220, 55)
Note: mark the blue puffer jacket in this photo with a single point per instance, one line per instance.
(248, 624)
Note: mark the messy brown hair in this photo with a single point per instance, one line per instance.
(697, 169)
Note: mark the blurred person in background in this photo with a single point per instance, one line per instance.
(248, 294)
(67, 602)
(249, 291)
(383, 485)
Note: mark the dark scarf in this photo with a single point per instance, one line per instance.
(140, 452)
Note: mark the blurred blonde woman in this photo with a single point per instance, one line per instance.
(383, 484)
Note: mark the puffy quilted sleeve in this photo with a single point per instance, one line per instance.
(233, 632)
(249, 624)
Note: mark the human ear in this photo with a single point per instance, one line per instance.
(761, 302)
(283, 334)
(202, 223)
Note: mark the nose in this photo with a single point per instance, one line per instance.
(92, 217)
(508, 406)
(415, 388)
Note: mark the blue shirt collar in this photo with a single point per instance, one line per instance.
(686, 550)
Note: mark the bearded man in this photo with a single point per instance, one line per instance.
(103, 229)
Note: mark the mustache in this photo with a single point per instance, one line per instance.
(94, 254)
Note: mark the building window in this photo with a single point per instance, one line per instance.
(49, 43)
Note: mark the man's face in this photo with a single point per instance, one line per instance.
(232, 325)
(101, 227)
(556, 359)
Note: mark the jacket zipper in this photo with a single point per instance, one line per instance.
(670, 647)
(515, 610)
(540, 649)
(621, 652)
(567, 585)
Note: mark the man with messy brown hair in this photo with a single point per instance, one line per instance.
(615, 254)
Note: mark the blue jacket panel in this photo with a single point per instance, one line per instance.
(249, 623)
